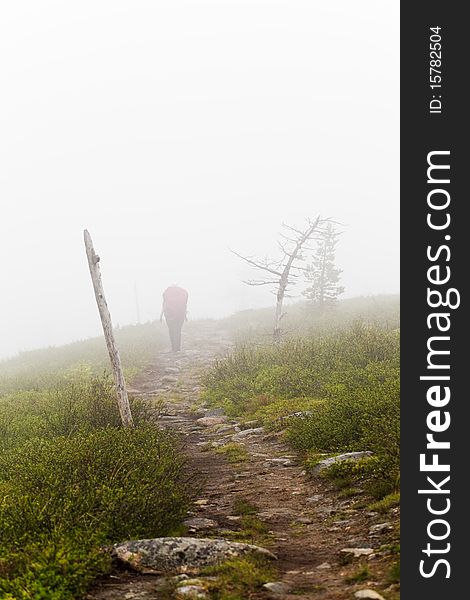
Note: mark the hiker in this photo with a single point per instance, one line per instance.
(175, 300)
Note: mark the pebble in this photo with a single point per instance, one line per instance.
(324, 565)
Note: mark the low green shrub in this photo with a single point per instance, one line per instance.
(53, 567)
(239, 577)
(64, 496)
(310, 368)
(78, 401)
(344, 383)
(355, 419)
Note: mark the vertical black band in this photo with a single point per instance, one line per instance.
(434, 272)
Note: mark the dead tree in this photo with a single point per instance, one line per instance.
(122, 398)
(284, 272)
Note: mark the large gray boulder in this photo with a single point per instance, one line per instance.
(348, 456)
(181, 554)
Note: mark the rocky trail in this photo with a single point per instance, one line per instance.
(252, 487)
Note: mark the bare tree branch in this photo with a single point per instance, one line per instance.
(258, 282)
(292, 244)
(257, 264)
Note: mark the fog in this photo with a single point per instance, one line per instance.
(176, 130)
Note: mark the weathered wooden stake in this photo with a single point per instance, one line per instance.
(122, 398)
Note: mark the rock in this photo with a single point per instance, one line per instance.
(211, 421)
(370, 594)
(224, 429)
(305, 520)
(283, 462)
(314, 499)
(191, 591)
(169, 379)
(299, 415)
(247, 432)
(163, 583)
(199, 523)
(277, 587)
(326, 511)
(349, 456)
(172, 369)
(202, 501)
(379, 528)
(273, 514)
(324, 565)
(356, 552)
(181, 554)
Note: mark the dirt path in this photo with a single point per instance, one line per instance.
(301, 519)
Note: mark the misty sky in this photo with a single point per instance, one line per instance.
(175, 130)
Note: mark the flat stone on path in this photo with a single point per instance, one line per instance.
(380, 528)
(211, 421)
(356, 552)
(247, 432)
(200, 523)
(181, 554)
(314, 499)
(280, 462)
(277, 587)
(273, 514)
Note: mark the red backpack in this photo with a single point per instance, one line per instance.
(175, 300)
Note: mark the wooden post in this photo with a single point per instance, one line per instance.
(122, 398)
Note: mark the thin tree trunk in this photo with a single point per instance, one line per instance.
(278, 316)
(122, 398)
(322, 279)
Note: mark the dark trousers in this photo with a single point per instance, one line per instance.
(174, 329)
